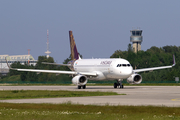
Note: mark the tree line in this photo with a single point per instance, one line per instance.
(153, 57)
(40, 77)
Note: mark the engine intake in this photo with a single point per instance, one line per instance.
(134, 79)
(79, 80)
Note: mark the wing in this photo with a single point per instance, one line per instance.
(56, 64)
(151, 69)
(155, 68)
(58, 72)
(54, 71)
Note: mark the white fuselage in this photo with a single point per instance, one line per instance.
(115, 68)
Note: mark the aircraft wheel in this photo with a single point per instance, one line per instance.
(121, 86)
(84, 86)
(115, 85)
(79, 87)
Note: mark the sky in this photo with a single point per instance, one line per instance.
(100, 27)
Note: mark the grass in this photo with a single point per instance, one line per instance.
(16, 81)
(24, 94)
(13, 78)
(68, 111)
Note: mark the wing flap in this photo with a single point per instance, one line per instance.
(48, 71)
(58, 72)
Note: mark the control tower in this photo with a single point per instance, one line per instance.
(136, 39)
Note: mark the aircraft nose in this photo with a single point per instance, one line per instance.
(128, 71)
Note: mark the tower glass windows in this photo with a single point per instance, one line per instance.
(136, 33)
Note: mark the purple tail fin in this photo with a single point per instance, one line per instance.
(74, 52)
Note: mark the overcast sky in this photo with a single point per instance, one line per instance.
(100, 27)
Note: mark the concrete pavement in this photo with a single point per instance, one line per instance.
(135, 95)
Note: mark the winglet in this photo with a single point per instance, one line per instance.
(9, 66)
(174, 62)
(7, 63)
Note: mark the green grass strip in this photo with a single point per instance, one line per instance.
(25, 94)
(68, 111)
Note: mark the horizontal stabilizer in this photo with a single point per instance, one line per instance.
(56, 64)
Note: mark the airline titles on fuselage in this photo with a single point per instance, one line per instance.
(106, 62)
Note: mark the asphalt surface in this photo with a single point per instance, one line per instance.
(135, 95)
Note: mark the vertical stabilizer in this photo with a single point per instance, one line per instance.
(74, 52)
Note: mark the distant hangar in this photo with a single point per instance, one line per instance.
(15, 58)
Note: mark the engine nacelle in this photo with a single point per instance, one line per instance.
(79, 80)
(134, 79)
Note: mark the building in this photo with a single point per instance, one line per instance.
(4, 69)
(136, 39)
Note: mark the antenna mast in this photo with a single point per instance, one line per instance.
(47, 52)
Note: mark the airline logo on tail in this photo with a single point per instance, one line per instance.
(74, 52)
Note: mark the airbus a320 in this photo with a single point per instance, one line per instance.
(83, 70)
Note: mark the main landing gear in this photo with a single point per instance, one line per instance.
(83, 86)
(118, 84)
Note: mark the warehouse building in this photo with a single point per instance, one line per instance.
(4, 69)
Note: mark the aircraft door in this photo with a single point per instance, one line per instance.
(110, 69)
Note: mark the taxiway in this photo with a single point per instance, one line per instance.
(135, 95)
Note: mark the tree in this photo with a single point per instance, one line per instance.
(153, 57)
(171, 49)
(15, 65)
(130, 49)
(41, 59)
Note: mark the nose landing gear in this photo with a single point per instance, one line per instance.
(119, 84)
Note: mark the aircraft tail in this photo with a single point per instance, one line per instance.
(74, 52)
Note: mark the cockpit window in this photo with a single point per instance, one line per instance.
(124, 65)
(119, 65)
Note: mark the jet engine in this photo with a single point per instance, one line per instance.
(79, 80)
(134, 79)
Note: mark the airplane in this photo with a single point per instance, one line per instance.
(83, 70)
